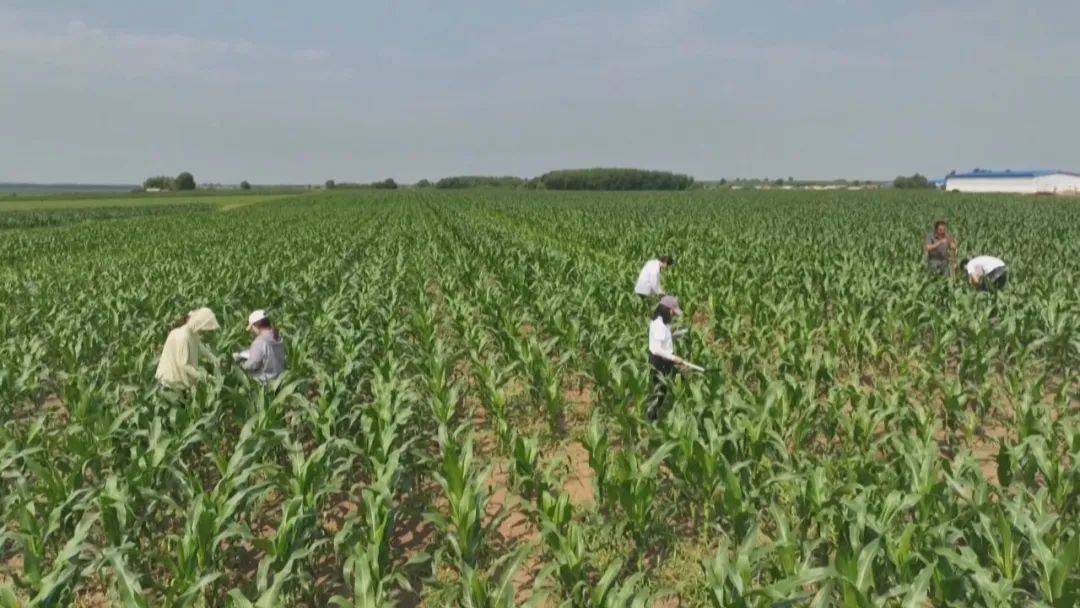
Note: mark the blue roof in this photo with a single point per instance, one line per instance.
(1011, 173)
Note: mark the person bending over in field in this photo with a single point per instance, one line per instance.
(986, 273)
(264, 360)
(940, 250)
(648, 281)
(179, 364)
(662, 356)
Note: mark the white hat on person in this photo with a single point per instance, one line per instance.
(255, 317)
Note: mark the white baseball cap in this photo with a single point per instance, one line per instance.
(255, 317)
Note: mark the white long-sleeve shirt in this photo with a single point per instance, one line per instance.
(648, 282)
(661, 343)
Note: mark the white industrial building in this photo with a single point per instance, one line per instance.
(1042, 181)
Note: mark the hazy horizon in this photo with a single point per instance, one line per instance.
(115, 92)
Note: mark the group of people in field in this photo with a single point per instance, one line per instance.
(662, 358)
(264, 360)
(983, 272)
(179, 367)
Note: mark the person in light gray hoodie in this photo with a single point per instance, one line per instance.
(264, 360)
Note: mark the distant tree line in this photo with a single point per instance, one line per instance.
(754, 182)
(569, 179)
(386, 184)
(622, 179)
(184, 181)
(914, 182)
(477, 181)
(614, 179)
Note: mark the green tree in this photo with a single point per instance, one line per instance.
(475, 181)
(244, 185)
(615, 179)
(914, 182)
(386, 184)
(185, 181)
(161, 182)
(330, 184)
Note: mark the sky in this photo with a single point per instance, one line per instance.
(112, 91)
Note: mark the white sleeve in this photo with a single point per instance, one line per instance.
(657, 347)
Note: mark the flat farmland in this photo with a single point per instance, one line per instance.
(462, 420)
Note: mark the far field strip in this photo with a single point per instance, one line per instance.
(68, 203)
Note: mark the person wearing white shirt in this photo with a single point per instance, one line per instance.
(648, 282)
(662, 356)
(986, 272)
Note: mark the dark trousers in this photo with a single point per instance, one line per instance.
(662, 373)
(995, 279)
(938, 266)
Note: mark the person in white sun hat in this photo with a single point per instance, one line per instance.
(662, 356)
(179, 363)
(264, 360)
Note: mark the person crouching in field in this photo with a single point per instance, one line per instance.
(662, 356)
(940, 250)
(179, 364)
(648, 282)
(986, 273)
(264, 360)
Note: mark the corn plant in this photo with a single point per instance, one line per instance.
(633, 484)
(466, 524)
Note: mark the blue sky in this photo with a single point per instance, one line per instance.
(113, 91)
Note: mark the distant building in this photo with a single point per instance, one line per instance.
(1042, 181)
(153, 189)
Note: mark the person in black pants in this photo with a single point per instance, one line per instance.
(662, 356)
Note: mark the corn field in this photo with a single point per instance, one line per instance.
(462, 419)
